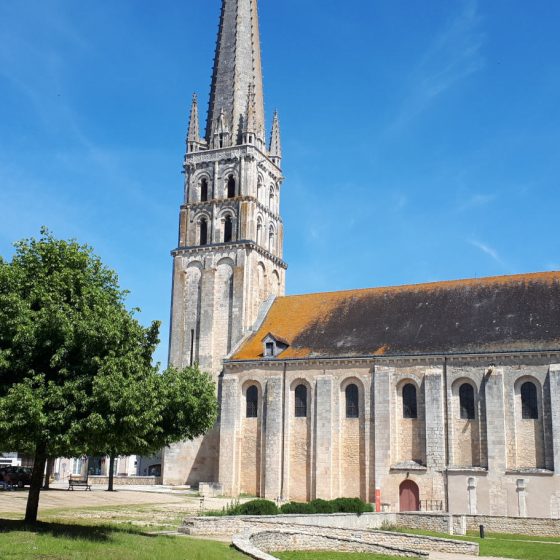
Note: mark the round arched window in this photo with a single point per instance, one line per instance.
(252, 401)
(300, 398)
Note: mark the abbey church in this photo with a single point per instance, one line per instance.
(433, 397)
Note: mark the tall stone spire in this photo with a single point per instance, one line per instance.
(237, 67)
(229, 259)
(275, 149)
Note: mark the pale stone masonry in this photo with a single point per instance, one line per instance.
(229, 255)
(442, 396)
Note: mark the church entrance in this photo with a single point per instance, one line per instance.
(409, 496)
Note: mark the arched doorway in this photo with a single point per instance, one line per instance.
(409, 496)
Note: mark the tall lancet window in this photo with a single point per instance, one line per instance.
(352, 401)
(259, 231)
(203, 231)
(228, 229)
(410, 408)
(231, 187)
(252, 402)
(271, 240)
(300, 398)
(529, 401)
(466, 401)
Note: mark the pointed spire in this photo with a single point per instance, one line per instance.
(194, 142)
(275, 148)
(237, 65)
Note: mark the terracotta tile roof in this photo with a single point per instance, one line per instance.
(495, 314)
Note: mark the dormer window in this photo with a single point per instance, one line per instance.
(273, 345)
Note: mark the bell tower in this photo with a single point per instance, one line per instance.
(229, 256)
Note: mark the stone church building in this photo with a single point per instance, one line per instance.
(442, 396)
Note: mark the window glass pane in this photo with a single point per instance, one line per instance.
(252, 397)
(409, 401)
(301, 401)
(270, 349)
(466, 401)
(529, 403)
(352, 405)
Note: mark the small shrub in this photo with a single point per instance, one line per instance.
(322, 506)
(388, 526)
(351, 505)
(257, 507)
(297, 507)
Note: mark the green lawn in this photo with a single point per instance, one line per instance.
(507, 546)
(55, 541)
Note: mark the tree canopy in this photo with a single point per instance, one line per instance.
(76, 372)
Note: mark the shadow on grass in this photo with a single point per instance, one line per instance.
(95, 533)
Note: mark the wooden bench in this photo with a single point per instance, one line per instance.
(78, 482)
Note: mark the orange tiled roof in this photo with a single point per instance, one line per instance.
(503, 313)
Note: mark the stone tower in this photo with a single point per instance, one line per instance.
(229, 257)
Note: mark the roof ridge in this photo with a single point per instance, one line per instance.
(505, 278)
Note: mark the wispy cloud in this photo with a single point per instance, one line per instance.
(487, 250)
(454, 55)
(476, 201)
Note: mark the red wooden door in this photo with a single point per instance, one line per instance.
(409, 496)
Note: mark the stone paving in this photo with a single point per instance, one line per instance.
(135, 502)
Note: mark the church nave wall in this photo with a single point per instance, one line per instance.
(300, 416)
(250, 456)
(351, 431)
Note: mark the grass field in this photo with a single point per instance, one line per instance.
(57, 541)
(520, 547)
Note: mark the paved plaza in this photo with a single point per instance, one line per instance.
(145, 505)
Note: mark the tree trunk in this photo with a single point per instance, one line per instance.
(36, 483)
(111, 471)
(48, 474)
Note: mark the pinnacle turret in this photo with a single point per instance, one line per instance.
(194, 142)
(249, 124)
(237, 67)
(275, 147)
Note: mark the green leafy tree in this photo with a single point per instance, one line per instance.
(76, 373)
(141, 416)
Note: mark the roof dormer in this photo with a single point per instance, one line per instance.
(273, 346)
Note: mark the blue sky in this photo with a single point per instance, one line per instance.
(421, 139)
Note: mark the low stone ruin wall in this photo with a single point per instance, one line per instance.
(339, 529)
(514, 525)
(259, 543)
(126, 480)
(460, 524)
(229, 525)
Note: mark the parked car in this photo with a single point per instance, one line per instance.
(18, 476)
